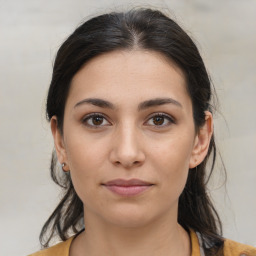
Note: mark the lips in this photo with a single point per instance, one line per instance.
(127, 187)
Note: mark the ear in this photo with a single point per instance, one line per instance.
(59, 143)
(202, 141)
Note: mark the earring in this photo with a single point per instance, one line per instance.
(62, 166)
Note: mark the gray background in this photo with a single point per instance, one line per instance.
(31, 32)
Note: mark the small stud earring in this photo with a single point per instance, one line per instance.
(62, 165)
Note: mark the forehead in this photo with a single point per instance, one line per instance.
(129, 75)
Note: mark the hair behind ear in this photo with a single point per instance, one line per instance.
(68, 215)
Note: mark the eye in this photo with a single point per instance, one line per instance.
(160, 119)
(95, 120)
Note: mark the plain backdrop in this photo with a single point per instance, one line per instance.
(31, 32)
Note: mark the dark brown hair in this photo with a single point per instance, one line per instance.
(141, 29)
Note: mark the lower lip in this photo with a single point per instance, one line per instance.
(127, 191)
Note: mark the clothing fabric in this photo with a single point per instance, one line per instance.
(231, 248)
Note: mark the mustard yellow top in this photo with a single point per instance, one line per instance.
(231, 248)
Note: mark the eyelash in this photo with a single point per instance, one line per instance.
(91, 116)
(165, 116)
(85, 120)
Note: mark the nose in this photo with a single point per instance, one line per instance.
(127, 148)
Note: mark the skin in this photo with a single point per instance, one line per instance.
(130, 143)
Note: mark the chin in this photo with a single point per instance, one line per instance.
(130, 217)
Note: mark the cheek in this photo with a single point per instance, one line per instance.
(86, 160)
(174, 152)
(171, 162)
(84, 151)
(84, 165)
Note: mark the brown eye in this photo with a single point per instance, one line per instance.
(97, 120)
(158, 120)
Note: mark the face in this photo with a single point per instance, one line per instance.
(129, 137)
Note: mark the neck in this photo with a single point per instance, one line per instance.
(159, 238)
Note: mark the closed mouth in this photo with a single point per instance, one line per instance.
(127, 188)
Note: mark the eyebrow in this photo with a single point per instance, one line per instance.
(157, 102)
(96, 102)
(143, 105)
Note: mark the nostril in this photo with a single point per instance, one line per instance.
(127, 164)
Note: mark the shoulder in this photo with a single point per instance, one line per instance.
(232, 248)
(60, 249)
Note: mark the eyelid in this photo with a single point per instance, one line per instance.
(170, 119)
(91, 115)
(164, 115)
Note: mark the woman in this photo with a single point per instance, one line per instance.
(130, 111)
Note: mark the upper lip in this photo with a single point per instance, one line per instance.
(127, 183)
